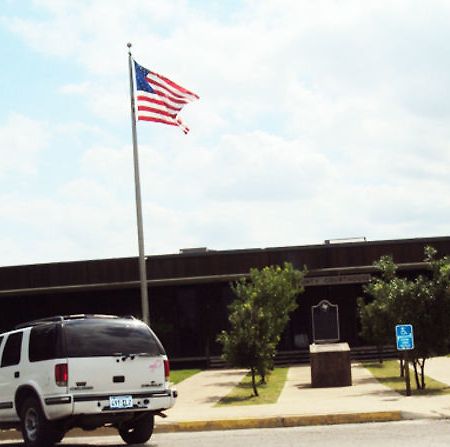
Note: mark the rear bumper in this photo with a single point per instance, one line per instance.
(88, 403)
(57, 407)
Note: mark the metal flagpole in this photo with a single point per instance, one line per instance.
(142, 266)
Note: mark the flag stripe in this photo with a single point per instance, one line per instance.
(158, 120)
(153, 100)
(172, 99)
(161, 89)
(177, 90)
(159, 111)
(144, 114)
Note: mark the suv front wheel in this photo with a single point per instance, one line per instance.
(139, 431)
(37, 431)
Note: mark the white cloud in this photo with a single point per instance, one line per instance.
(22, 140)
(81, 219)
(80, 88)
(110, 102)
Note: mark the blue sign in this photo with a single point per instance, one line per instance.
(405, 337)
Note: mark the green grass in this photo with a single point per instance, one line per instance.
(177, 376)
(242, 394)
(388, 373)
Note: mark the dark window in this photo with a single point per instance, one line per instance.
(92, 338)
(11, 353)
(45, 343)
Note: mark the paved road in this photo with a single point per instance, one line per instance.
(423, 433)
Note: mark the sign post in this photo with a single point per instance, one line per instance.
(405, 342)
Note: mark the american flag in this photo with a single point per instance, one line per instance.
(159, 99)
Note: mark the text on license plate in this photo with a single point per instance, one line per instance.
(121, 402)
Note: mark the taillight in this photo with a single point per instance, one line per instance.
(61, 374)
(166, 370)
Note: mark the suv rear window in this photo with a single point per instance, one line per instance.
(45, 343)
(92, 338)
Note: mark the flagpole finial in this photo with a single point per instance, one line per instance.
(129, 47)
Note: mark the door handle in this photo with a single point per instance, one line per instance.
(16, 374)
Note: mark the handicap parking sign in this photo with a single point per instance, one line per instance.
(405, 337)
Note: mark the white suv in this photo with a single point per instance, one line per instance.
(82, 371)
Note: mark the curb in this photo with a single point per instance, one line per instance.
(280, 421)
(236, 424)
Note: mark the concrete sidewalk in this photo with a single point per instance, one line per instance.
(299, 404)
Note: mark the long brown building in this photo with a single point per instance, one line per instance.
(189, 292)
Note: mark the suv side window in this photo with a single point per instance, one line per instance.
(11, 352)
(45, 343)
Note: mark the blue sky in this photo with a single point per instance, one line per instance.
(317, 120)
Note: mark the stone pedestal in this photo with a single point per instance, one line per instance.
(330, 365)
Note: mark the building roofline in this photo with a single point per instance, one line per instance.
(212, 252)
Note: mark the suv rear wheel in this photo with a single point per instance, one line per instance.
(138, 431)
(37, 431)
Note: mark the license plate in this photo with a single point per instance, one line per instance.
(121, 402)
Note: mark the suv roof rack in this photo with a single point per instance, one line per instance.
(70, 317)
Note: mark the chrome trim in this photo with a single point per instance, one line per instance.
(58, 400)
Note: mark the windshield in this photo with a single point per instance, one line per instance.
(92, 338)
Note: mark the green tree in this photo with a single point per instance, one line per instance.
(427, 307)
(423, 302)
(258, 317)
(375, 317)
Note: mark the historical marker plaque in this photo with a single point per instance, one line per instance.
(325, 322)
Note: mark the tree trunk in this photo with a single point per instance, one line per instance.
(263, 379)
(422, 373)
(380, 354)
(416, 374)
(255, 390)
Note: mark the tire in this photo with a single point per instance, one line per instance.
(139, 431)
(37, 431)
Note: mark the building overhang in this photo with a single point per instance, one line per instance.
(317, 277)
